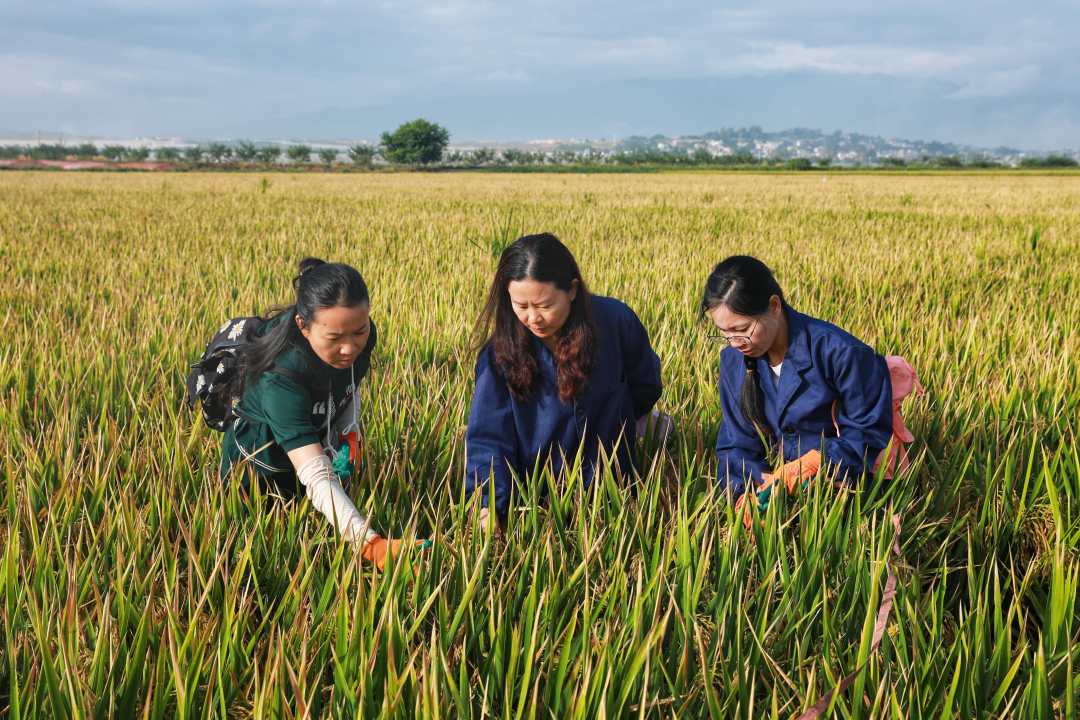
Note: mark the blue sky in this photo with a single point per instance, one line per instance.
(985, 73)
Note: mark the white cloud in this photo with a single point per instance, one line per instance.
(515, 76)
(31, 76)
(1000, 83)
(850, 60)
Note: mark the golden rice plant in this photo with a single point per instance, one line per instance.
(131, 583)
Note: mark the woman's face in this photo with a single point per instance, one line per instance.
(338, 334)
(541, 306)
(751, 335)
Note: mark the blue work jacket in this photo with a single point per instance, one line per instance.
(823, 365)
(507, 437)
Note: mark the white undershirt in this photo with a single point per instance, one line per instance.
(776, 372)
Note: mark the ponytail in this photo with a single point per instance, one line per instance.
(752, 402)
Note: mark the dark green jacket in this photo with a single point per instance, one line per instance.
(277, 413)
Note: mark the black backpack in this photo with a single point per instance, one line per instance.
(213, 380)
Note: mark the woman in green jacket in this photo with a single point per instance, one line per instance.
(300, 377)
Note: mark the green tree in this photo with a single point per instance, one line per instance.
(136, 154)
(245, 151)
(194, 154)
(219, 152)
(268, 154)
(167, 154)
(328, 156)
(483, 156)
(48, 151)
(362, 154)
(113, 152)
(701, 156)
(415, 143)
(299, 153)
(1050, 161)
(513, 157)
(85, 151)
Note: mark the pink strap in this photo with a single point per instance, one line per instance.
(904, 380)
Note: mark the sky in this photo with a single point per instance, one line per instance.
(984, 73)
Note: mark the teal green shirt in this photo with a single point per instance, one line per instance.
(278, 414)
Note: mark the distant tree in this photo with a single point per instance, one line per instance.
(799, 163)
(137, 154)
(299, 153)
(893, 161)
(328, 156)
(167, 154)
(515, 157)
(739, 158)
(194, 154)
(49, 151)
(245, 151)
(824, 162)
(701, 156)
(415, 143)
(983, 162)
(1050, 161)
(564, 157)
(11, 152)
(1059, 161)
(949, 161)
(362, 154)
(219, 152)
(85, 151)
(113, 152)
(483, 156)
(268, 154)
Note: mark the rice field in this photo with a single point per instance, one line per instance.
(132, 584)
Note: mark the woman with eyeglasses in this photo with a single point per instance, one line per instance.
(561, 374)
(799, 395)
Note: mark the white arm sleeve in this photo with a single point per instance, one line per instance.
(329, 498)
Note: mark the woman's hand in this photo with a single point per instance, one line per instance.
(379, 549)
(656, 425)
(486, 517)
(796, 471)
(746, 508)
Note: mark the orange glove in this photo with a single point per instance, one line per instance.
(746, 508)
(378, 549)
(791, 473)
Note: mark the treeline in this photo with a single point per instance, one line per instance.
(217, 153)
(239, 154)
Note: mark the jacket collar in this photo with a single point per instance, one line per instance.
(796, 361)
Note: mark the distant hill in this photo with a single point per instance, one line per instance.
(839, 146)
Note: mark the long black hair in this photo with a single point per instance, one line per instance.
(318, 284)
(544, 259)
(745, 285)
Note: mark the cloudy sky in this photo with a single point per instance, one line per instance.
(980, 72)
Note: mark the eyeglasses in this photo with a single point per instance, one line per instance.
(734, 339)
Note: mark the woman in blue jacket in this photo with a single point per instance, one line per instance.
(785, 379)
(561, 372)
